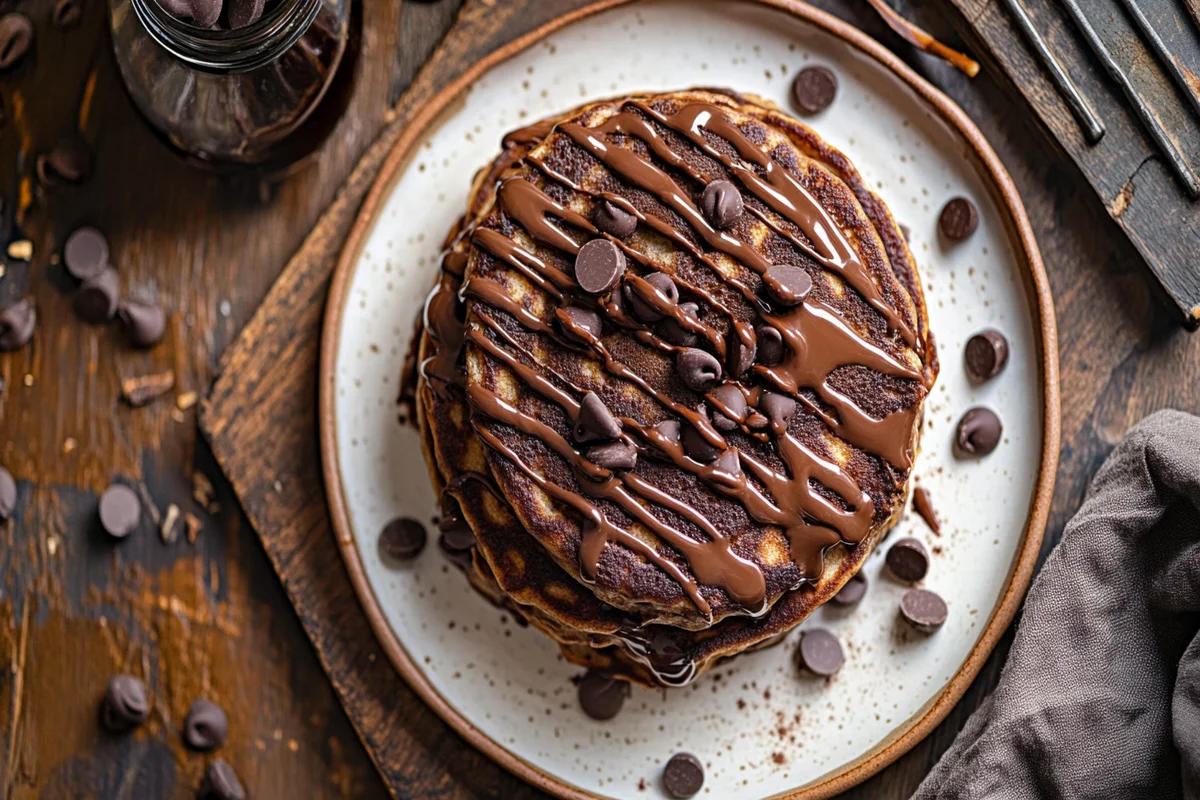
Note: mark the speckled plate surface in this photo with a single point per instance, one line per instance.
(760, 728)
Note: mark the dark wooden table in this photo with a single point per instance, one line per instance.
(209, 617)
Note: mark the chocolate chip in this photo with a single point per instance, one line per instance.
(205, 727)
(959, 219)
(402, 539)
(734, 403)
(770, 345)
(675, 333)
(8, 495)
(740, 356)
(595, 421)
(241, 13)
(978, 431)
(16, 37)
(698, 369)
(598, 266)
(778, 408)
(575, 321)
(69, 162)
(986, 354)
(85, 253)
(852, 591)
(695, 445)
(120, 511)
(221, 783)
(96, 301)
(787, 283)
(647, 295)
(614, 455)
(820, 653)
(201, 13)
(16, 325)
(601, 696)
(124, 705)
(614, 220)
(908, 560)
(456, 534)
(722, 204)
(924, 610)
(814, 89)
(683, 776)
(145, 321)
(67, 13)
(729, 463)
(669, 429)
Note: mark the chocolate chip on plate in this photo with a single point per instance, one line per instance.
(16, 36)
(402, 539)
(241, 13)
(8, 495)
(598, 266)
(120, 511)
(978, 431)
(730, 407)
(924, 610)
(722, 204)
(205, 727)
(96, 301)
(145, 321)
(814, 89)
(614, 220)
(820, 652)
(683, 776)
(595, 421)
(220, 783)
(201, 13)
(770, 345)
(647, 295)
(986, 354)
(575, 321)
(16, 325)
(614, 455)
(69, 162)
(125, 705)
(852, 591)
(85, 253)
(787, 283)
(778, 409)
(959, 219)
(601, 696)
(67, 13)
(670, 330)
(908, 560)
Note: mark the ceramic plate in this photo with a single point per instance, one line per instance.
(760, 728)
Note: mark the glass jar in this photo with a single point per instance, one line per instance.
(238, 96)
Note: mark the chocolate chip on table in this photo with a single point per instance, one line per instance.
(96, 301)
(601, 696)
(770, 345)
(595, 421)
(643, 294)
(924, 610)
(908, 560)
(722, 204)
(205, 727)
(614, 220)
(120, 510)
(125, 705)
(852, 591)
(670, 330)
(778, 408)
(402, 539)
(67, 13)
(986, 354)
(959, 219)
(145, 321)
(614, 455)
(814, 89)
(220, 783)
(241, 13)
(598, 266)
(683, 776)
(698, 369)
(8, 495)
(787, 283)
(85, 253)
(16, 37)
(201, 13)
(17, 322)
(69, 162)
(978, 431)
(819, 652)
(734, 403)
(574, 321)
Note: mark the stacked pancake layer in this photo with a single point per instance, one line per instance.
(671, 379)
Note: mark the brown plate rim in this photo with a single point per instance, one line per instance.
(918, 726)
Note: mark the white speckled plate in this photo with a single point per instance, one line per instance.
(760, 728)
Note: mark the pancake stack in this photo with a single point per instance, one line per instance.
(671, 379)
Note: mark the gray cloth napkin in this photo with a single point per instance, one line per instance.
(1100, 697)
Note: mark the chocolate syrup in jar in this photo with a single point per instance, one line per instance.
(238, 82)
